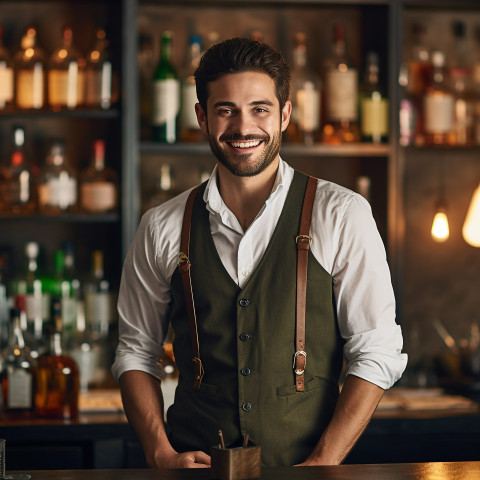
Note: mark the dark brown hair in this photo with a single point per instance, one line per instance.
(242, 55)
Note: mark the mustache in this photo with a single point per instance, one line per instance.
(236, 137)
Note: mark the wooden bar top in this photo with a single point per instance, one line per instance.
(407, 471)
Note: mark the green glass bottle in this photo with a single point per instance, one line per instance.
(166, 95)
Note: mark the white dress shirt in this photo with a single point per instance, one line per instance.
(345, 241)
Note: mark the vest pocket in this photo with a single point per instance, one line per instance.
(205, 389)
(315, 383)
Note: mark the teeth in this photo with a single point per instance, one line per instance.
(250, 144)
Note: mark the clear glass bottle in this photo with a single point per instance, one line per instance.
(57, 189)
(166, 94)
(18, 371)
(438, 104)
(30, 73)
(190, 130)
(373, 104)
(57, 378)
(164, 188)
(16, 183)
(341, 94)
(6, 76)
(66, 76)
(98, 183)
(306, 94)
(101, 89)
(463, 111)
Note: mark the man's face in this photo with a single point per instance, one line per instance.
(244, 122)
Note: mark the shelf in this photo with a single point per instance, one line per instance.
(75, 114)
(64, 217)
(317, 150)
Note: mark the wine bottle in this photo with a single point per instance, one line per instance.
(66, 76)
(341, 94)
(98, 183)
(306, 94)
(166, 94)
(30, 73)
(6, 76)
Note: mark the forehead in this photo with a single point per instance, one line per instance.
(243, 87)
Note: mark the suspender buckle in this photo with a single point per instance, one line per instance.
(303, 239)
(183, 262)
(198, 373)
(299, 371)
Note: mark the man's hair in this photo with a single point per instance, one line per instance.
(238, 55)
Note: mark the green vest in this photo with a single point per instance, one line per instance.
(247, 344)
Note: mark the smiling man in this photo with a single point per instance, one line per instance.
(221, 264)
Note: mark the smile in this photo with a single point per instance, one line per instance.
(250, 144)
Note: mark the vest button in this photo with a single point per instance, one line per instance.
(245, 371)
(244, 337)
(243, 302)
(246, 407)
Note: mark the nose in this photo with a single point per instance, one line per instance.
(243, 123)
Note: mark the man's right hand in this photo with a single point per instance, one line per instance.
(196, 459)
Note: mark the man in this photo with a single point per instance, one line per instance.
(243, 256)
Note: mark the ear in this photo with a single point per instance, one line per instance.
(286, 112)
(201, 118)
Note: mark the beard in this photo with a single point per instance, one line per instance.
(239, 164)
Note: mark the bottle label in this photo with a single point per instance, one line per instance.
(99, 86)
(6, 81)
(341, 95)
(60, 192)
(30, 87)
(308, 108)
(99, 311)
(438, 108)
(37, 306)
(374, 120)
(166, 101)
(19, 389)
(98, 196)
(66, 87)
(189, 99)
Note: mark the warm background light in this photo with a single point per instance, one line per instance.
(440, 229)
(471, 227)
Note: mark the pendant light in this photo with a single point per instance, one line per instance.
(440, 230)
(471, 227)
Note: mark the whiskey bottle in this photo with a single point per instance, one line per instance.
(164, 188)
(373, 104)
(98, 183)
(57, 379)
(57, 189)
(66, 76)
(17, 371)
(6, 76)
(306, 94)
(16, 183)
(30, 73)
(99, 75)
(341, 94)
(190, 130)
(438, 104)
(166, 95)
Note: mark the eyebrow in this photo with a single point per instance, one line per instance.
(225, 103)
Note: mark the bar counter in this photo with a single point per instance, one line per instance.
(407, 471)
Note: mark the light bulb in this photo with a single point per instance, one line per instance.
(440, 231)
(471, 227)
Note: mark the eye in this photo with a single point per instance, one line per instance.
(224, 112)
(261, 110)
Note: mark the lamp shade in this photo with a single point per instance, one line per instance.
(471, 227)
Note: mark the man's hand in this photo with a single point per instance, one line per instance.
(196, 459)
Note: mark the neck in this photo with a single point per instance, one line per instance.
(245, 196)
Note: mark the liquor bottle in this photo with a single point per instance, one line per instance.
(462, 133)
(66, 76)
(18, 371)
(57, 378)
(30, 73)
(306, 93)
(438, 104)
(166, 95)
(146, 68)
(164, 188)
(190, 130)
(6, 76)
(57, 189)
(99, 75)
(373, 104)
(98, 183)
(16, 186)
(341, 94)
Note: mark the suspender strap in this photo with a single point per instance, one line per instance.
(303, 245)
(184, 267)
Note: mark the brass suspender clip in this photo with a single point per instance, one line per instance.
(299, 371)
(183, 262)
(198, 373)
(303, 239)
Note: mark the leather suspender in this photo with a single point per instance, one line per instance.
(303, 241)
(184, 267)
